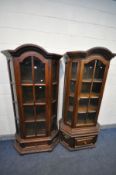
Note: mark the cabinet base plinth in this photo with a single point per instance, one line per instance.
(78, 138)
(26, 146)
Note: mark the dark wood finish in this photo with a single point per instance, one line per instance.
(78, 127)
(31, 72)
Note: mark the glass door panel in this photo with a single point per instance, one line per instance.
(26, 70)
(39, 71)
(99, 72)
(28, 113)
(41, 112)
(81, 117)
(96, 88)
(74, 70)
(30, 129)
(91, 117)
(85, 89)
(83, 105)
(88, 70)
(27, 93)
(41, 128)
(40, 94)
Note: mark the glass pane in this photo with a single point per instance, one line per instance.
(28, 112)
(30, 129)
(83, 102)
(72, 87)
(83, 105)
(40, 93)
(39, 69)
(54, 124)
(71, 101)
(27, 94)
(94, 102)
(91, 117)
(85, 88)
(81, 118)
(74, 70)
(41, 112)
(88, 70)
(99, 72)
(41, 128)
(54, 92)
(69, 117)
(54, 72)
(26, 71)
(96, 87)
(54, 108)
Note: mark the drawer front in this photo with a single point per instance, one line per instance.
(84, 141)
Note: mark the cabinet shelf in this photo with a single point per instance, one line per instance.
(85, 109)
(92, 95)
(32, 104)
(33, 120)
(32, 84)
(90, 80)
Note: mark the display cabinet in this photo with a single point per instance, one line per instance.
(34, 83)
(85, 76)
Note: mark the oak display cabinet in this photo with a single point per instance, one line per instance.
(85, 76)
(34, 83)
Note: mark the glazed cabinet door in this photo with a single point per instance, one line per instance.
(92, 80)
(70, 90)
(31, 71)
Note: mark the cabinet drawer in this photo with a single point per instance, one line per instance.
(83, 141)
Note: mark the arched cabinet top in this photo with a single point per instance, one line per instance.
(101, 51)
(27, 48)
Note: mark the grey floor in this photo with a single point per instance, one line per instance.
(97, 161)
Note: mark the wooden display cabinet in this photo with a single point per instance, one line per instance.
(85, 76)
(34, 83)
